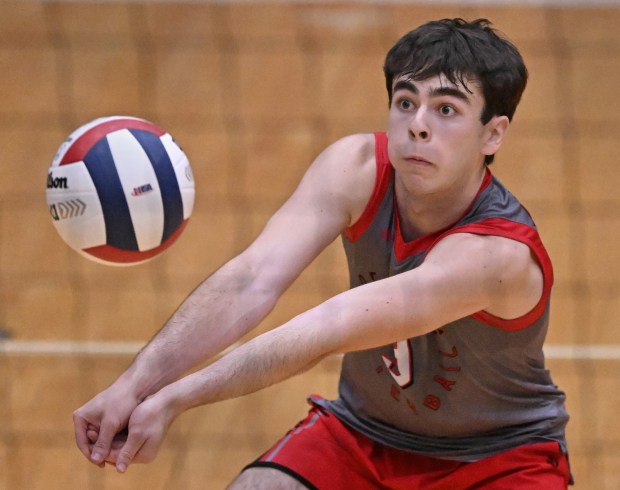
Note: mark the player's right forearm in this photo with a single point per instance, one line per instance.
(215, 315)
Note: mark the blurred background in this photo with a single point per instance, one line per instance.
(253, 92)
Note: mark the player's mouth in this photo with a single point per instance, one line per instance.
(418, 160)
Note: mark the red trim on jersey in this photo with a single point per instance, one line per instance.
(113, 254)
(382, 182)
(80, 147)
(520, 233)
(403, 249)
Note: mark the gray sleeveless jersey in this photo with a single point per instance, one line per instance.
(470, 389)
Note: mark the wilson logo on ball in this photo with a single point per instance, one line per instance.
(109, 162)
(56, 182)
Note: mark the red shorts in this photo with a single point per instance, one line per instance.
(323, 453)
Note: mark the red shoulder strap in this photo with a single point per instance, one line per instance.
(382, 183)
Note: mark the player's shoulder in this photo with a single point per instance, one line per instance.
(494, 246)
(352, 156)
(354, 148)
(347, 158)
(501, 259)
(346, 168)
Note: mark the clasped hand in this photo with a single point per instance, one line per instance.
(116, 428)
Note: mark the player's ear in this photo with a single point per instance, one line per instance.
(495, 133)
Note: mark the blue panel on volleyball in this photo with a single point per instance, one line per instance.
(118, 224)
(167, 179)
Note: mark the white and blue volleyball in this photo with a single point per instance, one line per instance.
(120, 190)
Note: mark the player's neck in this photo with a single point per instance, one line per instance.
(422, 213)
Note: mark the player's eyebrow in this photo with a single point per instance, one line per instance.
(451, 92)
(406, 84)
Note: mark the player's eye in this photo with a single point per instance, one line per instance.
(446, 110)
(405, 104)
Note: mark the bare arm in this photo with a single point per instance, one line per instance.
(238, 296)
(462, 275)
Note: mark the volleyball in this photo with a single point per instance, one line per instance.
(120, 190)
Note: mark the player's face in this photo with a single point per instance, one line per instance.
(436, 139)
